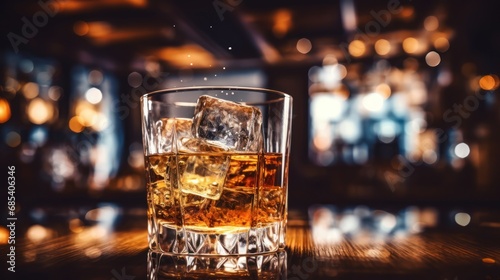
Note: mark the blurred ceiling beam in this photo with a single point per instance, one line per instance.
(79, 6)
(226, 39)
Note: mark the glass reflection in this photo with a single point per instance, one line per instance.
(265, 266)
(330, 225)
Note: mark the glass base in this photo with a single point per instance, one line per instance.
(177, 240)
(264, 266)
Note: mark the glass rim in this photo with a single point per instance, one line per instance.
(281, 95)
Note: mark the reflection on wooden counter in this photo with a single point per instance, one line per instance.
(271, 266)
(97, 254)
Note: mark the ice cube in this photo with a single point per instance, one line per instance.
(165, 132)
(203, 167)
(231, 124)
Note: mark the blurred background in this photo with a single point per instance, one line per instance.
(396, 103)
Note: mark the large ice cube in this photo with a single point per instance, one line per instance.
(231, 124)
(165, 128)
(203, 166)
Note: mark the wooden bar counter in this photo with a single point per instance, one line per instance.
(100, 253)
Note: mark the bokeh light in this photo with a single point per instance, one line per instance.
(349, 223)
(322, 140)
(75, 124)
(462, 150)
(81, 28)
(488, 260)
(382, 47)
(76, 225)
(407, 12)
(40, 111)
(30, 90)
(384, 90)
(92, 252)
(350, 130)
(432, 59)
(330, 59)
(55, 92)
(87, 113)
(386, 130)
(357, 48)
(373, 102)
(342, 71)
(441, 44)
(304, 45)
(431, 23)
(13, 139)
(282, 22)
(4, 110)
(37, 233)
(99, 29)
(331, 75)
(387, 222)
(12, 85)
(93, 95)
(4, 235)
(462, 219)
(88, 117)
(134, 79)
(95, 77)
(410, 45)
(489, 82)
(101, 122)
(429, 156)
(26, 66)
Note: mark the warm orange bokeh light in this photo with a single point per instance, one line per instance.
(4, 110)
(489, 82)
(282, 22)
(384, 90)
(31, 90)
(442, 44)
(4, 235)
(431, 23)
(75, 124)
(40, 111)
(357, 48)
(382, 47)
(81, 28)
(99, 29)
(407, 13)
(304, 45)
(410, 45)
